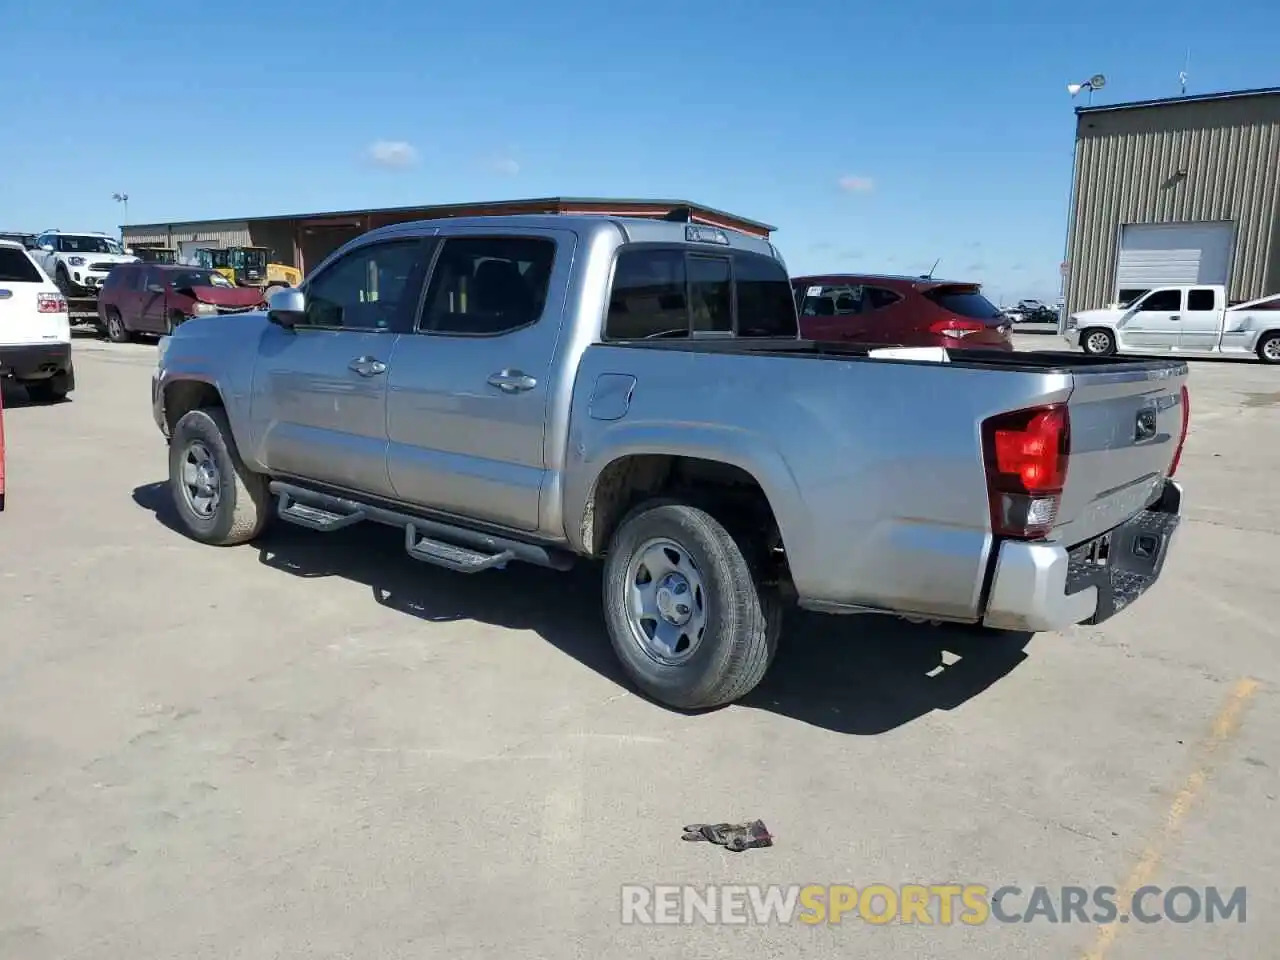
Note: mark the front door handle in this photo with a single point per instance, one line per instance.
(367, 366)
(1175, 317)
(512, 381)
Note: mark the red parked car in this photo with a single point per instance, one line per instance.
(901, 311)
(156, 297)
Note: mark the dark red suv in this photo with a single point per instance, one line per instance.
(156, 297)
(902, 311)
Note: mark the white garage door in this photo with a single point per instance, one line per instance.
(1174, 254)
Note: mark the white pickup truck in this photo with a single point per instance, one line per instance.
(1185, 320)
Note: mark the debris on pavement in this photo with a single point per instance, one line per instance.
(732, 836)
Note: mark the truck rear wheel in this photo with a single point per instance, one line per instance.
(219, 499)
(1098, 342)
(1269, 348)
(686, 613)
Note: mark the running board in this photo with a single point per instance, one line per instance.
(450, 556)
(447, 545)
(315, 518)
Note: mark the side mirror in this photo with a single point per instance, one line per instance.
(129, 250)
(286, 307)
(47, 248)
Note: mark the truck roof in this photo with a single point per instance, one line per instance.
(633, 229)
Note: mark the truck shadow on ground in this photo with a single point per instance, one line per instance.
(857, 675)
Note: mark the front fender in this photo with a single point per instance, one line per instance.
(605, 443)
(214, 354)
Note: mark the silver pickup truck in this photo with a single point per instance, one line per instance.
(549, 388)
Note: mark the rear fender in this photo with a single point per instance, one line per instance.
(589, 458)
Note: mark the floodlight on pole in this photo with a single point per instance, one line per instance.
(122, 198)
(1096, 82)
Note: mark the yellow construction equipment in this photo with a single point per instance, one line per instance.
(248, 267)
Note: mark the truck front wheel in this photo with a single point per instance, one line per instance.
(1098, 342)
(219, 499)
(687, 615)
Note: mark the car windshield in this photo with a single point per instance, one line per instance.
(200, 278)
(66, 244)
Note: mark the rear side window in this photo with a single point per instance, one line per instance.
(877, 298)
(487, 286)
(16, 267)
(116, 278)
(964, 302)
(669, 293)
(1200, 300)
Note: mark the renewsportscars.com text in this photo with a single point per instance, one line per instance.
(970, 904)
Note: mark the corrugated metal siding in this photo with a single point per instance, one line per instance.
(223, 235)
(1127, 165)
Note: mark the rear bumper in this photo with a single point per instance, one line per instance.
(35, 361)
(1045, 586)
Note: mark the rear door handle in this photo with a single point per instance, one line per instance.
(1175, 317)
(367, 366)
(512, 381)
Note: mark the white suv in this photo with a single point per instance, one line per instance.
(35, 331)
(79, 262)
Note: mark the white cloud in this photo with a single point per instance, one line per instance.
(392, 153)
(505, 166)
(855, 184)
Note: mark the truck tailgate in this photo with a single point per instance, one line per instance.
(1125, 427)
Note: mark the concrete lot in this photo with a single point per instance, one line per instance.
(315, 747)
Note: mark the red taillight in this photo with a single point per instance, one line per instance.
(1026, 454)
(957, 328)
(50, 303)
(1182, 436)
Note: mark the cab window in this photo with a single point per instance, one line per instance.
(368, 289)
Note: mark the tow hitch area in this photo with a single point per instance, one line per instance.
(1123, 563)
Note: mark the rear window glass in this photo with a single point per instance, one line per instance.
(765, 306)
(648, 298)
(669, 292)
(16, 267)
(965, 302)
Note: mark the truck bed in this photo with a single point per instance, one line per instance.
(1041, 361)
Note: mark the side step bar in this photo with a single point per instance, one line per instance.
(443, 544)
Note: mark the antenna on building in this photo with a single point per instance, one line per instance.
(1182, 77)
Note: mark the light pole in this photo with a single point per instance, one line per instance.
(1096, 82)
(122, 198)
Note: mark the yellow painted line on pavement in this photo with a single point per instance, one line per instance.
(1225, 725)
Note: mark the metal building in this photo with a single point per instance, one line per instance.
(303, 240)
(1173, 192)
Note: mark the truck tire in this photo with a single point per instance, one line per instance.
(117, 332)
(1269, 347)
(219, 500)
(705, 630)
(1098, 342)
(50, 390)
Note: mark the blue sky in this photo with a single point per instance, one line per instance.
(876, 137)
